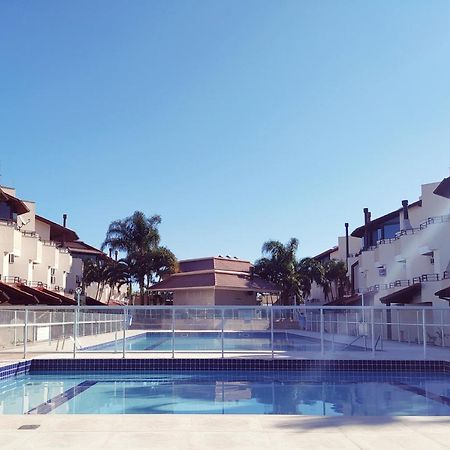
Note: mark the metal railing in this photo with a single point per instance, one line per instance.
(403, 332)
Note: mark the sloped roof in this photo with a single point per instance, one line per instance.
(83, 248)
(374, 223)
(44, 298)
(15, 296)
(215, 279)
(58, 233)
(354, 300)
(444, 294)
(18, 205)
(444, 188)
(403, 296)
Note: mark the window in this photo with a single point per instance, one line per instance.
(5, 211)
(11, 258)
(52, 276)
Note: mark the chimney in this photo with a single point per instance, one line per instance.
(64, 220)
(406, 222)
(366, 228)
(116, 254)
(347, 253)
(110, 253)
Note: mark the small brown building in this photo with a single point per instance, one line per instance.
(215, 281)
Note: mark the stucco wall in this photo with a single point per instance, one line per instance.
(194, 297)
(234, 297)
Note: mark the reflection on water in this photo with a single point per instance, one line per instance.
(340, 393)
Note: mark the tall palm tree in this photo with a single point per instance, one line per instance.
(294, 277)
(160, 262)
(335, 275)
(279, 265)
(310, 271)
(138, 237)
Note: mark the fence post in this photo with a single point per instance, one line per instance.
(424, 334)
(25, 334)
(50, 328)
(322, 348)
(223, 320)
(15, 328)
(124, 331)
(271, 331)
(442, 329)
(372, 330)
(173, 332)
(75, 332)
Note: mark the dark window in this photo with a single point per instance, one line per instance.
(5, 211)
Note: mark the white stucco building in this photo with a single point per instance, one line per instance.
(402, 257)
(38, 253)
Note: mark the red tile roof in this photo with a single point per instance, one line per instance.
(14, 296)
(19, 205)
(83, 248)
(58, 233)
(215, 272)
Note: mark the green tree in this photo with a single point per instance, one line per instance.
(138, 237)
(335, 279)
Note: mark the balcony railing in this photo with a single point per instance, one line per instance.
(423, 225)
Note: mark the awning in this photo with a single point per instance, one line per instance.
(92, 302)
(403, 296)
(14, 296)
(444, 294)
(444, 188)
(44, 298)
(354, 300)
(64, 300)
(58, 233)
(18, 206)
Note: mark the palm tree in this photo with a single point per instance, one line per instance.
(138, 237)
(310, 271)
(279, 265)
(294, 277)
(160, 262)
(335, 275)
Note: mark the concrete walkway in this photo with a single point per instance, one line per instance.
(196, 432)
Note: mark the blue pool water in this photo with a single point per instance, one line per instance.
(212, 341)
(251, 392)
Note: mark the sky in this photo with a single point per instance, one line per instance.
(237, 121)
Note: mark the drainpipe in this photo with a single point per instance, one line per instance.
(406, 222)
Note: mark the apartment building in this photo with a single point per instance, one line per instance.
(400, 258)
(39, 254)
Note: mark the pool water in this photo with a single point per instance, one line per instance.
(215, 392)
(212, 341)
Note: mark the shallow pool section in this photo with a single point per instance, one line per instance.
(228, 392)
(211, 341)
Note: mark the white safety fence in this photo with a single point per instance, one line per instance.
(266, 331)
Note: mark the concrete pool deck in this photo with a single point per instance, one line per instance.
(197, 432)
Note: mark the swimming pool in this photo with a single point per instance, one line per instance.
(348, 393)
(212, 341)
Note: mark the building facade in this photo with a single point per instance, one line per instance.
(215, 281)
(38, 253)
(400, 258)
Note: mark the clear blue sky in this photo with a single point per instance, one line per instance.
(237, 121)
